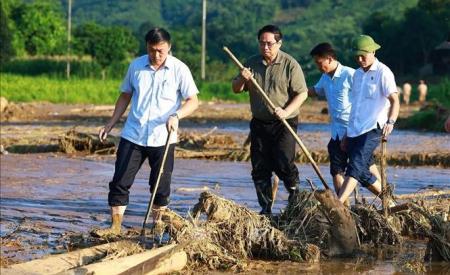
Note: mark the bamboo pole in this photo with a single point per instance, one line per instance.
(383, 178)
(294, 134)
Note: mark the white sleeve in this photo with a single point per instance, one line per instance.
(388, 84)
(187, 85)
(126, 86)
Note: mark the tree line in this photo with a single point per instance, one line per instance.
(408, 30)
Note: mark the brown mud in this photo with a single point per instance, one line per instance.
(50, 200)
(52, 210)
(216, 131)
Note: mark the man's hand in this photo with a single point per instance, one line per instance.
(172, 123)
(246, 74)
(387, 129)
(280, 113)
(104, 131)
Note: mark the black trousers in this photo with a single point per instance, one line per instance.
(272, 150)
(129, 160)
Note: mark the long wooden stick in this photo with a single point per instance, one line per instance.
(158, 179)
(383, 178)
(294, 134)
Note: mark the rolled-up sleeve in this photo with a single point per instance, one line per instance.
(297, 81)
(126, 86)
(187, 83)
(388, 84)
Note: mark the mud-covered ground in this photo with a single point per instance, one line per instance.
(48, 198)
(28, 128)
(49, 201)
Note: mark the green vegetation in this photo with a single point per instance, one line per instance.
(42, 88)
(56, 68)
(440, 93)
(6, 50)
(95, 91)
(107, 34)
(408, 30)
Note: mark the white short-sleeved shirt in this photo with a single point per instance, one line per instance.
(155, 96)
(369, 98)
(336, 90)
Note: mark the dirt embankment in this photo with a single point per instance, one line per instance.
(43, 127)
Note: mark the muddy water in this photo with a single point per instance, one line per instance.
(315, 136)
(46, 196)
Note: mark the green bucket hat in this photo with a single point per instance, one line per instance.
(364, 44)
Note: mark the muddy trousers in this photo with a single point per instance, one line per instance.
(129, 160)
(272, 150)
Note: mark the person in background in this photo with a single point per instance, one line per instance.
(406, 92)
(422, 89)
(375, 108)
(272, 146)
(155, 84)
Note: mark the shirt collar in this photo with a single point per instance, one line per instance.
(167, 64)
(374, 66)
(338, 71)
(276, 61)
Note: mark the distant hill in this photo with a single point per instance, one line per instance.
(305, 23)
(235, 22)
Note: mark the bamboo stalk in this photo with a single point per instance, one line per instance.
(383, 178)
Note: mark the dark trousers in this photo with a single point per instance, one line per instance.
(360, 153)
(272, 150)
(338, 158)
(130, 157)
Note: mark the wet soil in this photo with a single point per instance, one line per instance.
(43, 209)
(31, 128)
(48, 198)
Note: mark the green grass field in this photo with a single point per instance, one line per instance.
(18, 88)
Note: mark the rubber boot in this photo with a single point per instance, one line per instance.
(292, 186)
(264, 194)
(113, 231)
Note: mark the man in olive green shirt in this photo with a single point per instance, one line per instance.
(272, 145)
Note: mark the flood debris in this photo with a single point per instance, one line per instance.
(210, 146)
(319, 218)
(438, 234)
(374, 228)
(74, 141)
(303, 221)
(229, 234)
(220, 234)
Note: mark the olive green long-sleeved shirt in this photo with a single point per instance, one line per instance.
(281, 81)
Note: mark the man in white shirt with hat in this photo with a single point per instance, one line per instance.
(375, 108)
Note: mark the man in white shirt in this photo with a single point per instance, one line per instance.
(335, 85)
(375, 108)
(155, 84)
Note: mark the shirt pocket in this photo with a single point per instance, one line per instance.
(371, 91)
(169, 92)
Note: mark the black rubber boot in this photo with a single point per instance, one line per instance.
(292, 187)
(264, 193)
